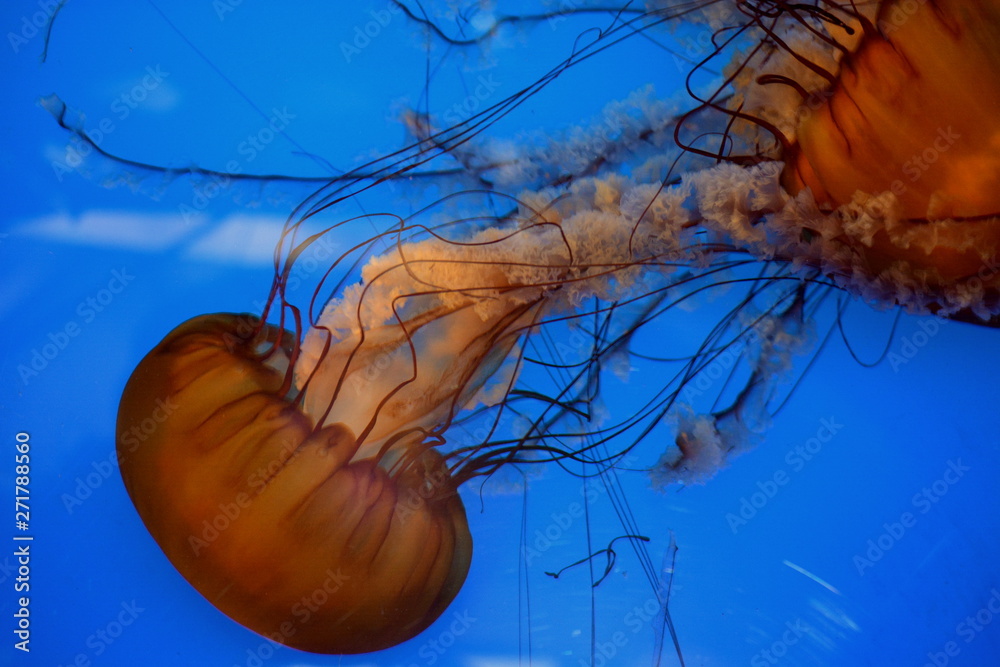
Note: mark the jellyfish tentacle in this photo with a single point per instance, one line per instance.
(273, 520)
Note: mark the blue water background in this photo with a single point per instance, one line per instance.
(901, 426)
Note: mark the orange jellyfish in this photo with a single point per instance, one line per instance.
(295, 483)
(908, 119)
(883, 160)
(272, 519)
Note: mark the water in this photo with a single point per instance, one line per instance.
(863, 531)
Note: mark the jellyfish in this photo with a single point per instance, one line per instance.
(295, 483)
(268, 517)
(883, 169)
(307, 478)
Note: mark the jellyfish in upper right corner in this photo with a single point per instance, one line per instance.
(871, 146)
(851, 142)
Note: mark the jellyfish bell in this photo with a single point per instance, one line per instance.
(276, 522)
